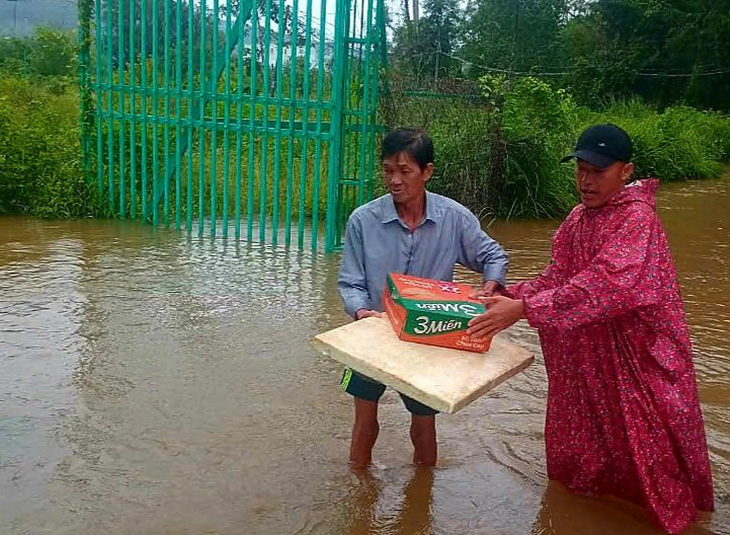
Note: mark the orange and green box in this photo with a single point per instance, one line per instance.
(433, 312)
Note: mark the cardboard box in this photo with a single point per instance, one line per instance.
(432, 312)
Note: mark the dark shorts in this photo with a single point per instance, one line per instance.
(363, 387)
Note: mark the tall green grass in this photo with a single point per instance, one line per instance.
(40, 158)
(676, 144)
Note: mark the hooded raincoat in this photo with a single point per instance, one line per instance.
(623, 416)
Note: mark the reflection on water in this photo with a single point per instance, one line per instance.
(408, 510)
(156, 383)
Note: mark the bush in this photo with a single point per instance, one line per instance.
(536, 124)
(463, 157)
(502, 155)
(40, 158)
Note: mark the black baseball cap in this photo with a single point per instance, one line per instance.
(602, 145)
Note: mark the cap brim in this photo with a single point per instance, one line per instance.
(593, 158)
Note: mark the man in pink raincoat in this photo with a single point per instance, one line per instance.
(623, 416)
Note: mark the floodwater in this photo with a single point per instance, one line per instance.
(153, 383)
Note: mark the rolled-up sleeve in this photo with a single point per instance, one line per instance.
(352, 281)
(479, 252)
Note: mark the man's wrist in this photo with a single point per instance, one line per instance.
(495, 275)
(520, 308)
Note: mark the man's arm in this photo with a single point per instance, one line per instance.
(618, 280)
(551, 277)
(554, 274)
(481, 253)
(352, 280)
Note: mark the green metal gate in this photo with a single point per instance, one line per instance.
(251, 118)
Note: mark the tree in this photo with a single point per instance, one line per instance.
(662, 50)
(518, 35)
(49, 52)
(423, 47)
(53, 53)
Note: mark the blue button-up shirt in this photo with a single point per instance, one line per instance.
(377, 242)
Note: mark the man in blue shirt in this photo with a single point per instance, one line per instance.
(415, 232)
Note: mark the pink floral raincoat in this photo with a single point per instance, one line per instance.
(623, 416)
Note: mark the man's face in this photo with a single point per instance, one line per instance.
(597, 185)
(404, 178)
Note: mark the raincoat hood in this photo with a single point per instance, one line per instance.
(639, 191)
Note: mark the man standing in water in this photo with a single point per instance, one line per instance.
(623, 416)
(412, 231)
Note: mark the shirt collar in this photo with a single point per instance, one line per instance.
(432, 210)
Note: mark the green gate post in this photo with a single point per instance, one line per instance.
(335, 162)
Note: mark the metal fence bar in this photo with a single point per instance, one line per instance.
(305, 118)
(99, 96)
(252, 118)
(292, 117)
(379, 45)
(84, 80)
(164, 190)
(168, 111)
(351, 70)
(189, 111)
(133, 109)
(227, 124)
(263, 179)
(121, 103)
(155, 108)
(239, 136)
(364, 138)
(145, 110)
(279, 104)
(335, 161)
(214, 141)
(178, 113)
(110, 105)
(318, 146)
(201, 129)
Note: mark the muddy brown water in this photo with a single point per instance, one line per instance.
(152, 383)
